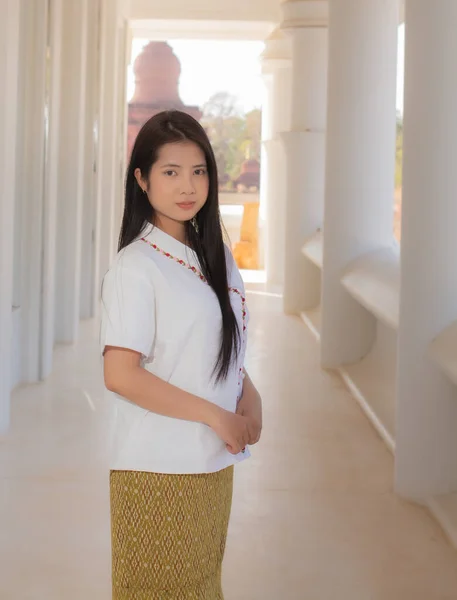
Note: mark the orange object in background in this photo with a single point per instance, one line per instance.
(246, 251)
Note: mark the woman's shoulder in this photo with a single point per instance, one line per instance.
(229, 258)
(233, 273)
(134, 257)
(131, 267)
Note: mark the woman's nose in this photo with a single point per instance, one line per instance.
(188, 187)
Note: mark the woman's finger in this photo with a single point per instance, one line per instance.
(247, 436)
(231, 449)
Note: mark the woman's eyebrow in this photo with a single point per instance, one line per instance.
(179, 166)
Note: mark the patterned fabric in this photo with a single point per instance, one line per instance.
(178, 260)
(200, 275)
(234, 290)
(169, 534)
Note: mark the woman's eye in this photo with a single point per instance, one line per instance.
(170, 173)
(200, 172)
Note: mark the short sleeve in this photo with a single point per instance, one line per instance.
(128, 310)
(234, 278)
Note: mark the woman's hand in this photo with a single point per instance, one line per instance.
(233, 429)
(250, 406)
(251, 409)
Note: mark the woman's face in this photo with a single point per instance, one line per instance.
(178, 183)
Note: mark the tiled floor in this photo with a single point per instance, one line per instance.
(314, 516)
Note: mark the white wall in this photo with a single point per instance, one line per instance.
(36, 168)
(9, 72)
(31, 166)
(18, 213)
(56, 182)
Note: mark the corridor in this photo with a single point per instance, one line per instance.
(314, 515)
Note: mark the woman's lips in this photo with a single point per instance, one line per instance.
(186, 205)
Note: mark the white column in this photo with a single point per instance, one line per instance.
(90, 179)
(31, 184)
(9, 72)
(71, 180)
(263, 192)
(124, 42)
(109, 161)
(51, 198)
(304, 144)
(276, 70)
(360, 162)
(426, 401)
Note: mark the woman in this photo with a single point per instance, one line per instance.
(174, 332)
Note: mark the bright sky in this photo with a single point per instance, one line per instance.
(400, 67)
(208, 67)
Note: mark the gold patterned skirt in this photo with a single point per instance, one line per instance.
(169, 534)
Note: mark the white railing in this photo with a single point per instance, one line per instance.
(313, 249)
(443, 352)
(374, 281)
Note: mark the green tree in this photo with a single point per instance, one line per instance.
(254, 132)
(234, 135)
(219, 114)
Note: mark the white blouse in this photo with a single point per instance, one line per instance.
(156, 301)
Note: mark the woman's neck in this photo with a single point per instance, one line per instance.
(175, 229)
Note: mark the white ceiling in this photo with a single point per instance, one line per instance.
(202, 10)
(206, 19)
(164, 29)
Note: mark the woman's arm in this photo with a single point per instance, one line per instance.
(125, 376)
(250, 406)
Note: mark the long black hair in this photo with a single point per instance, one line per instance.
(206, 238)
